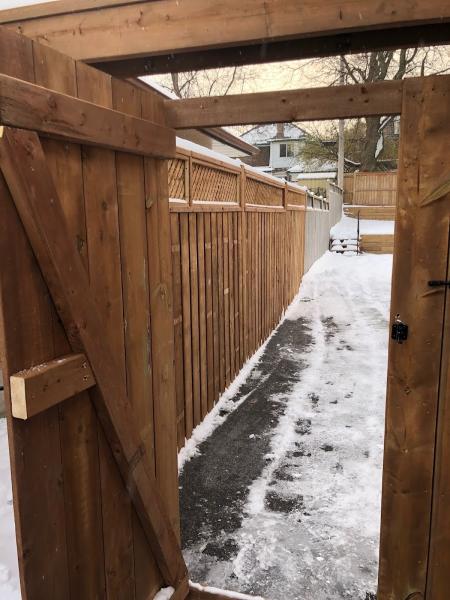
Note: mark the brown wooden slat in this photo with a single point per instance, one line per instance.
(23, 164)
(187, 347)
(78, 422)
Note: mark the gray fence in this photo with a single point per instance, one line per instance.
(321, 215)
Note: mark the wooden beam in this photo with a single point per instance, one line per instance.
(31, 106)
(333, 45)
(340, 102)
(43, 386)
(26, 172)
(178, 26)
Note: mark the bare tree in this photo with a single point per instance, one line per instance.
(212, 82)
(378, 66)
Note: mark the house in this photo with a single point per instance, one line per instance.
(279, 145)
(313, 174)
(213, 138)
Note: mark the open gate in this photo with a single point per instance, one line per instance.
(85, 284)
(415, 519)
(83, 205)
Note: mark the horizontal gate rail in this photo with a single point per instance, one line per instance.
(29, 106)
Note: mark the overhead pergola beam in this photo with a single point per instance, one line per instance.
(143, 29)
(349, 101)
(269, 52)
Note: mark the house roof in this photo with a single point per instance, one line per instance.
(320, 176)
(263, 134)
(218, 133)
(313, 166)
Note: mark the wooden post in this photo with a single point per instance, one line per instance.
(415, 525)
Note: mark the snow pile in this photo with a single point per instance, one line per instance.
(164, 594)
(9, 568)
(347, 228)
(225, 593)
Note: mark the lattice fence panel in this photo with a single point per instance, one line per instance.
(295, 198)
(213, 185)
(257, 192)
(177, 178)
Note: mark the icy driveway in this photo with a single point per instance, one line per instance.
(283, 496)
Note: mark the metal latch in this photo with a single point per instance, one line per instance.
(399, 331)
(439, 283)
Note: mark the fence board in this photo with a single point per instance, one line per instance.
(371, 188)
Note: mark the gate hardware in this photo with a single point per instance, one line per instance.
(399, 331)
(439, 283)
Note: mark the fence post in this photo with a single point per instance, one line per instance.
(243, 180)
(354, 187)
(189, 180)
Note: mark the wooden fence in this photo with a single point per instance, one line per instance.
(371, 189)
(121, 320)
(238, 259)
(84, 511)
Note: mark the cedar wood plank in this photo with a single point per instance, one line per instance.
(21, 150)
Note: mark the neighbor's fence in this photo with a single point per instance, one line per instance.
(237, 259)
(371, 189)
(321, 215)
(335, 197)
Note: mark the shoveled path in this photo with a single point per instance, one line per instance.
(282, 498)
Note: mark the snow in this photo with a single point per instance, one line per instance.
(164, 593)
(326, 548)
(226, 593)
(324, 175)
(9, 568)
(347, 228)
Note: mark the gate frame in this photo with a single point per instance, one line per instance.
(421, 189)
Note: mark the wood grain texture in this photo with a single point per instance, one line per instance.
(415, 417)
(168, 26)
(43, 386)
(382, 98)
(30, 106)
(80, 314)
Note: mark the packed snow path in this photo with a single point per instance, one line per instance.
(282, 496)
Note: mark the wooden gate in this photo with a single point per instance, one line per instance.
(86, 299)
(415, 530)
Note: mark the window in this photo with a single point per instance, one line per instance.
(286, 150)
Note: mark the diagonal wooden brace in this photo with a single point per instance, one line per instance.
(26, 172)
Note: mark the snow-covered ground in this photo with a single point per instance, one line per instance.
(9, 570)
(309, 526)
(347, 228)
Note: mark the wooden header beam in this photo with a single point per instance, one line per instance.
(124, 31)
(268, 52)
(350, 101)
(31, 106)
